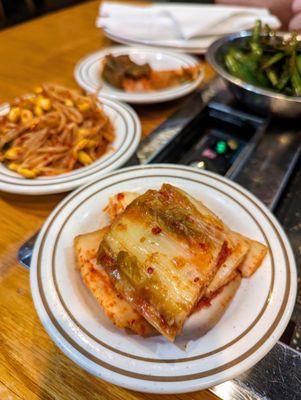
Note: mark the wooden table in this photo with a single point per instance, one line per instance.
(31, 366)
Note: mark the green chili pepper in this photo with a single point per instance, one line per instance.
(267, 60)
(240, 70)
(256, 50)
(237, 54)
(296, 82)
(232, 64)
(271, 74)
(295, 77)
(292, 44)
(298, 62)
(273, 60)
(284, 79)
(256, 32)
(245, 59)
(268, 30)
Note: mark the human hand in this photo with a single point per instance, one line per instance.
(295, 22)
(281, 8)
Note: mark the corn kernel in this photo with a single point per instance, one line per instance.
(86, 143)
(38, 111)
(27, 173)
(13, 166)
(82, 132)
(44, 103)
(26, 116)
(84, 158)
(12, 153)
(14, 114)
(34, 122)
(83, 107)
(91, 143)
(38, 89)
(69, 103)
(81, 144)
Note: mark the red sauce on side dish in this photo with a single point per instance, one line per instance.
(156, 230)
(106, 260)
(204, 246)
(164, 322)
(190, 218)
(224, 253)
(120, 196)
(205, 302)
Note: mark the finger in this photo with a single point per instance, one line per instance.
(295, 23)
(296, 5)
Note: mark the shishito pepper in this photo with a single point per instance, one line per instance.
(284, 78)
(256, 31)
(267, 60)
(240, 70)
(298, 62)
(271, 74)
(273, 60)
(295, 77)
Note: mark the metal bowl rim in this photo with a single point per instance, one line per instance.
(211, 58)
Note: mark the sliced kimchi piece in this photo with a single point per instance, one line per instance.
(120, 312)
(159, 80)
(255, 255)
(161, 254)
(118, 203)
(227, 269)
(247, 262)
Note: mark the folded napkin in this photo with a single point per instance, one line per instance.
(179, 21)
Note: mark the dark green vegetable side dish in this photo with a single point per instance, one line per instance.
(267, 60)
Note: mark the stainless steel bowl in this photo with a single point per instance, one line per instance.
(264, 101)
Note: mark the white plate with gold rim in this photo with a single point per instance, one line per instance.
(250, 327)
(127, 129)
(87, 74)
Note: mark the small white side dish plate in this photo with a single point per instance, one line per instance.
(87, 74)
(127, 131)
(250, 327)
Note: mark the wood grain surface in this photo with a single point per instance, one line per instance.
(31, 366)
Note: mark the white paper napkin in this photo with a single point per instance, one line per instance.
(137, 23)
(179, 21)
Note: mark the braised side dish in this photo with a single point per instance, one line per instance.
(123, 73)
(53, 131)
(267, 60)
(163, 257)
